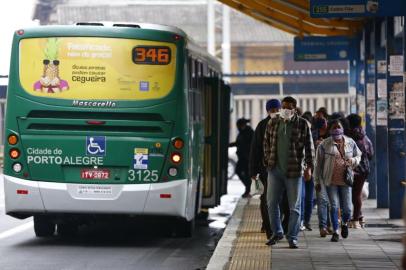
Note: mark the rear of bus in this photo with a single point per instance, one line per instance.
(96, 123)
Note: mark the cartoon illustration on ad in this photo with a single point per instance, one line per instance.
(50, 82)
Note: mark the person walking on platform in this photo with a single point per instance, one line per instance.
(256, 156)
(307, 190)
(334, 155)
(357, 133)
(288, 145)
(320, 133)
(243, 144)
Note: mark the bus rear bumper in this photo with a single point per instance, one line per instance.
(36, 197)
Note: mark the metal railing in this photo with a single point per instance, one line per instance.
(253, 106)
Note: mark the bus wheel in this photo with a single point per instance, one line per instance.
(67, 229)
(43, 226)
(185, 228)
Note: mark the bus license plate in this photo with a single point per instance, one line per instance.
(95, 174)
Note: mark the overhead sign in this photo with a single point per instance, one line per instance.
(325, 48)
(356, 8)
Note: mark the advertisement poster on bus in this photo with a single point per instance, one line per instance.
(356, 8)
(93, 68)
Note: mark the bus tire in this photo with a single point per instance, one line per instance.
(67, 229)
(185, 228)
(43, 226)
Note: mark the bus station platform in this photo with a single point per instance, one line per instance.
(242, 247)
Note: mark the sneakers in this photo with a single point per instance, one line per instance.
(335, 237)
(274, 239)
(293, 244)
(302, 228)
(308, 227)
(323, 232)
(344, 230)
(355, 224)
(329, 230)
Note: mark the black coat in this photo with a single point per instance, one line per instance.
(256, 164)
(243, 143)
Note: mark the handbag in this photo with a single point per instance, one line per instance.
(348, 172)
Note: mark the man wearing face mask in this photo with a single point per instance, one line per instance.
(243, 144)
(288, 145)
(256, 166)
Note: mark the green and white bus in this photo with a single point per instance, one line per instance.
(110, 119)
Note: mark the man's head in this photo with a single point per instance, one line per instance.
(272, 107)
(289, 103)
(242, 123)
(288, 108)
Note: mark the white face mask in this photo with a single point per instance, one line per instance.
(286, 114)
(273, 115)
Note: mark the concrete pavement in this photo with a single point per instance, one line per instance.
(377, 246)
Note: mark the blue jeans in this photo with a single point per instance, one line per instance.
(336, 195)
(307, 200)
(322, 207)
(277, 183)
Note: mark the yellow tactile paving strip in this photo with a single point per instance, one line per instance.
(249, 249)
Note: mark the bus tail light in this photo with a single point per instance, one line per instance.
(12, 139)
(14, 153)
(176, 158)
(165, 196)
(20, 32)
(177, 37)
(178, 143)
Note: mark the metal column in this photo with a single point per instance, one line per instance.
(396, 121)
(211, 28)
(381, 154)
(370, 99)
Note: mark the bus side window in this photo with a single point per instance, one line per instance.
(190, 72)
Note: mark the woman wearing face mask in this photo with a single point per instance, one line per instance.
(333, 155)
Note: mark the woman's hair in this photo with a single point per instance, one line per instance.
(354, 120)
(308, 116)
(334, 122)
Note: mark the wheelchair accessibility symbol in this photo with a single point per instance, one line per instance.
(95, 146)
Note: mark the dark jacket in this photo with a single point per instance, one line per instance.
(243, 143)
(365, 145)
(256, 165)
(301, 150)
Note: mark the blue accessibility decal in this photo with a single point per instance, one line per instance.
(144, 86)
(95, 145)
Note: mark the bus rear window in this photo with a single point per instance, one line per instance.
(97, 68)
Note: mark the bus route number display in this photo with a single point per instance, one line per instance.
(151, 55)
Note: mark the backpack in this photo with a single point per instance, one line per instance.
(364, 166)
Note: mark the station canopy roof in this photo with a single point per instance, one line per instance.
(190, 16)
(293, 16)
